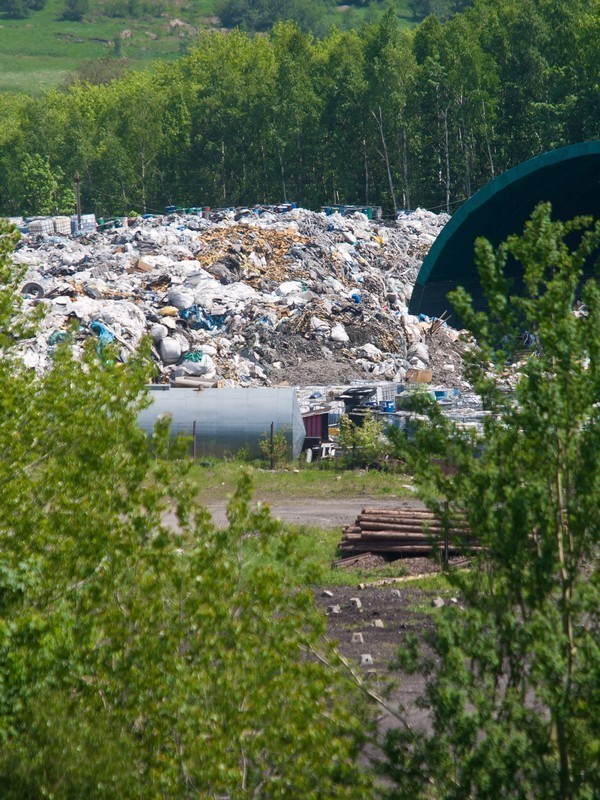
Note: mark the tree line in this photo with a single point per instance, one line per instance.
(377, 116)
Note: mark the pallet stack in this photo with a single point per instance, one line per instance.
(403, 532)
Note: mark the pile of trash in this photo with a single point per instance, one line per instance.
(244, 299)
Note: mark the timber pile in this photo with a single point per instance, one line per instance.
(403, 533)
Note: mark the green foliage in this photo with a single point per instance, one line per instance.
(143, 651)
(513, 701)
(66, 751)
(42, 190)
(316, 16)
(16, 9)
(100, 70)
(250, 14)
(274, 447)
(363, 445)
(20, 9)
(118, 47)
(75, 10)
(374, 115)
(122, 9)
(443, 9)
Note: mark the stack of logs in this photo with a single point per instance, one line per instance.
(403, 533)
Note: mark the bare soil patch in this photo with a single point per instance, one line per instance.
(386, 616)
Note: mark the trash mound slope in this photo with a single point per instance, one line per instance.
(242, 299)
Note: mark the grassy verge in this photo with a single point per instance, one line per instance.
(216, 479)
(311, 552)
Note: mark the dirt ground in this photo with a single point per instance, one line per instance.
(383, 616)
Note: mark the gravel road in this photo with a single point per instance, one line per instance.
(319, 512)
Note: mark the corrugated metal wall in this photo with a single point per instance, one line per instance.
(228, 420)
(314, 425)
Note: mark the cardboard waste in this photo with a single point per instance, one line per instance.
(243, 299)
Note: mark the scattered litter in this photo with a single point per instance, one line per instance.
(33, 289)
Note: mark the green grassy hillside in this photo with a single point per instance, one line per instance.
(43, 51)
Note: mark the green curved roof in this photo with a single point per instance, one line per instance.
(568, 177)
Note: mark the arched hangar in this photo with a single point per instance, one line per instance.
(568, 177)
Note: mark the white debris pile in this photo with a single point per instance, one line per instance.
(244, 299)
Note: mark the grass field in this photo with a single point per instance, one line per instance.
(40, 52)
(216, 479)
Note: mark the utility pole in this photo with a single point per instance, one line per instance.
(78, 200)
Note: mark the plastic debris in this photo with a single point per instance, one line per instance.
(197, 318)
(246, 298)
(105, 336)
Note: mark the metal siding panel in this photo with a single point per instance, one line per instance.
(228, 420)
(313, 425)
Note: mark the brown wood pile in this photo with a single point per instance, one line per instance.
(403, 532)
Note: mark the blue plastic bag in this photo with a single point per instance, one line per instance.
(105, 337)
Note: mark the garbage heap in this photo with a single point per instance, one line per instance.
(244, 299)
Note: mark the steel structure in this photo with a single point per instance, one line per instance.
(225, 421)
(568, 177)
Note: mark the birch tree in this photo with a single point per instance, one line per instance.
(513, 697)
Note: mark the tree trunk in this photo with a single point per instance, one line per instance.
(405, 168)
(264, 170)
(379, 121)
(143, 185)
(366, 172)
(223, 173)
(447, 158)
(487, 142)
(282, 170)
